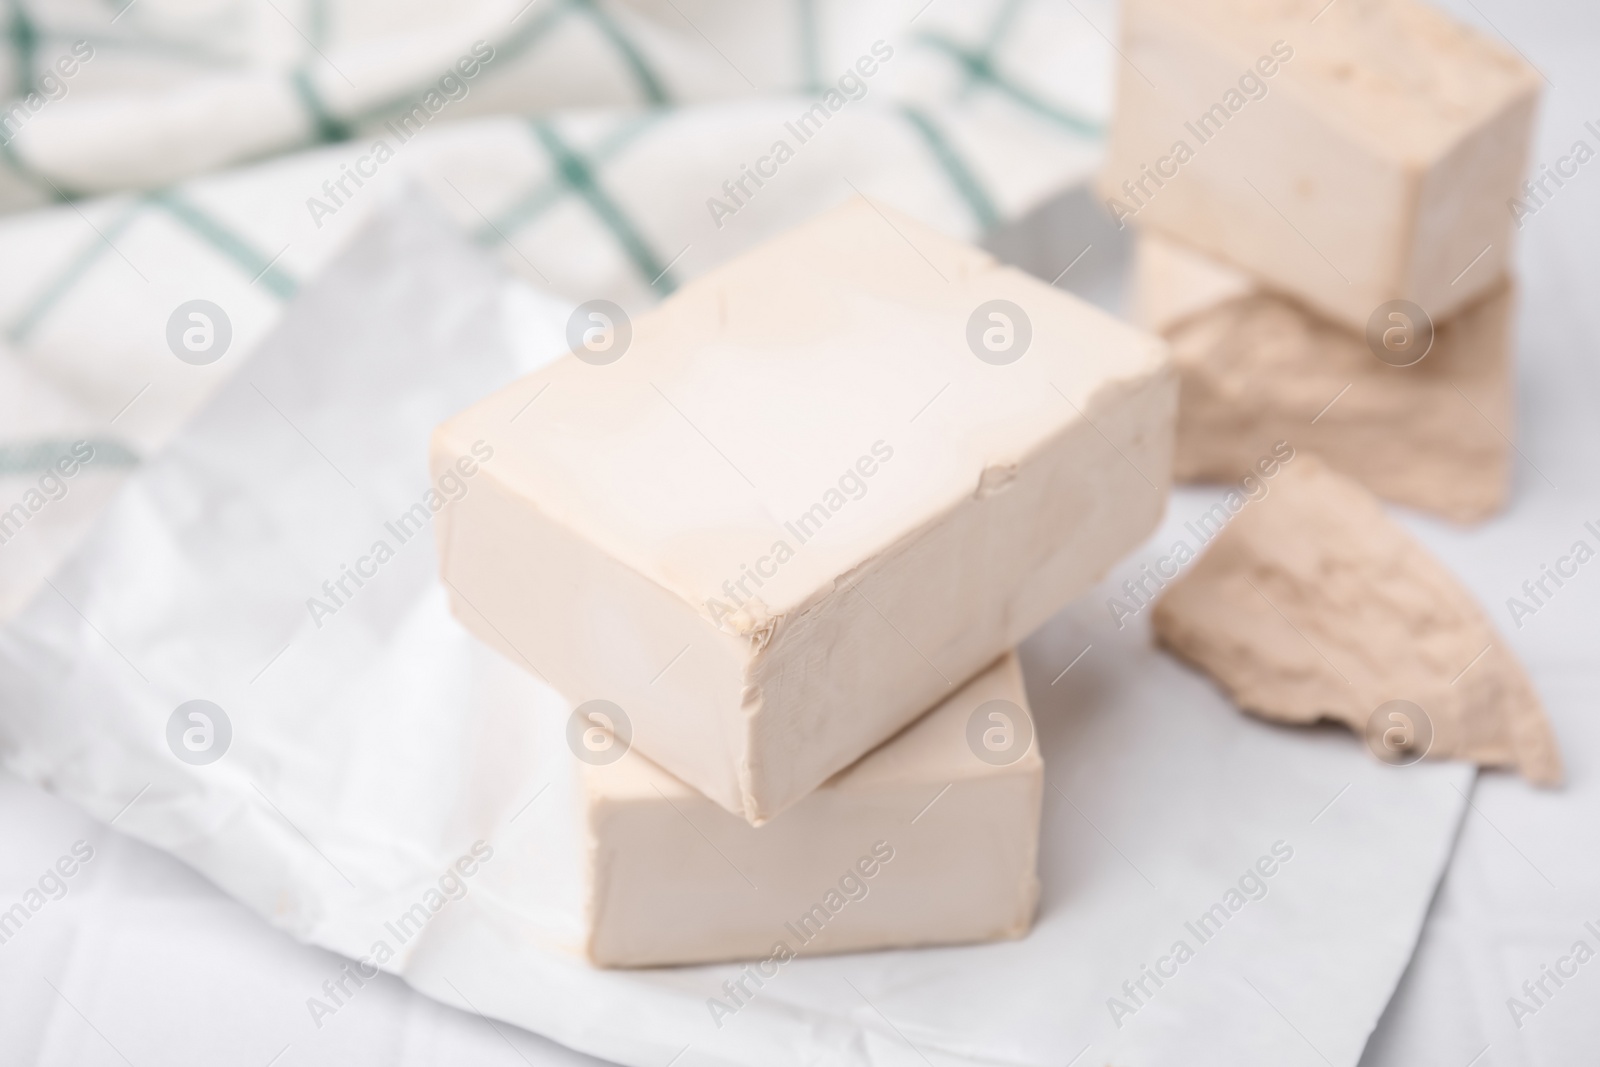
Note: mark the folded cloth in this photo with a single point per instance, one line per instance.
(151, 94)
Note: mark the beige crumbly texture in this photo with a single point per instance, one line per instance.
(1256, 367)
(1312, 604)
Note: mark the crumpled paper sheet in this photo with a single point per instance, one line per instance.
(372, 752)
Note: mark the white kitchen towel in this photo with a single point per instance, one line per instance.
(142, 94)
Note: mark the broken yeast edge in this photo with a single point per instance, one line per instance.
(1314, 604)
(1258, 367)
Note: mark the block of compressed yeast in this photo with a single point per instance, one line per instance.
(1313, 604)
(921, 842)
(1363, 157)
(821, 487)
(1257, 367)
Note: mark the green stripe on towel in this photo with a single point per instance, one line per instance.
(38, 456)
(249, 258)
(578, 174)
(960, 175)
(980, 67)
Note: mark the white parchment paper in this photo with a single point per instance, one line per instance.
(369, 753)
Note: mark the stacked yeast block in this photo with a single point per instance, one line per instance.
(921, 842)
(1363, 157)
(1295, 169)
(800, 510)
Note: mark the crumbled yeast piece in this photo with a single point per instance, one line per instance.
(1312, 604)
(1257, 367)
